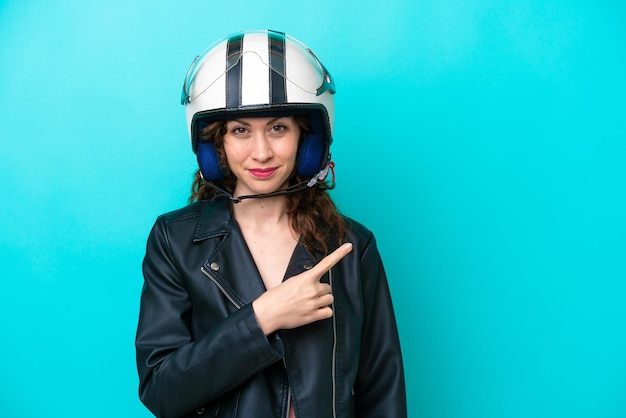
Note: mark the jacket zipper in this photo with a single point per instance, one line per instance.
(288, 402)
(334, 359)
(219, 286)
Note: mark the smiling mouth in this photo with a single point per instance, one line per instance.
(262, 172)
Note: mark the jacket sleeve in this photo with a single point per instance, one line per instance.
(178, 374)
(379, 387)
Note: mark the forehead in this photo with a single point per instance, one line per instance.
(256, 121)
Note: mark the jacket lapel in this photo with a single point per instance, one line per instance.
(233, 267)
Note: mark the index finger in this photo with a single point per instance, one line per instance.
(333, 258)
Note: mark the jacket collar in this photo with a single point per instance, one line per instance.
(215, 219)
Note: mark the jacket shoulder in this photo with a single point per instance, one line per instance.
(357, 231)
(198, 220)
(191, 211)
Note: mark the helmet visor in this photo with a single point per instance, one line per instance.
(251, 58)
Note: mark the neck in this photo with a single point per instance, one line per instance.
(259, 213)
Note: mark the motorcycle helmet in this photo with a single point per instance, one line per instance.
(260, 74)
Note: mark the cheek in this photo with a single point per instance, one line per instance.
(291, 149)
(231, 151)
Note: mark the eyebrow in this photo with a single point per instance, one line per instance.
(268, 123)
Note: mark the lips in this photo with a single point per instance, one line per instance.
(262, 172)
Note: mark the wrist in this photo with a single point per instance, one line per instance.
(263, 317)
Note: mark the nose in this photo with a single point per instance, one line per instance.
(261, 147)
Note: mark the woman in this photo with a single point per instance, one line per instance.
(260, 299)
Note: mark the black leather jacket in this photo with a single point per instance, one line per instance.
(201, 352)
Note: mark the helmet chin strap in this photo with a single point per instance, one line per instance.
(321, 176)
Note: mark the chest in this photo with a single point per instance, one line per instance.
(271, 254)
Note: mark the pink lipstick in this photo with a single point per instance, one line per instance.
(262, 172)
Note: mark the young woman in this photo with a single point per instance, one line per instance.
(260, 298)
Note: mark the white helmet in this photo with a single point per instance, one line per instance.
(260, 73)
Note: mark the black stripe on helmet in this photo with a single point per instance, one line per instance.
(278, 88)
(234, 68)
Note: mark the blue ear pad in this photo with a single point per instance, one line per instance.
(311, 152)
(209, 161)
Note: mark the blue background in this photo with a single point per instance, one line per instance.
(482, 141)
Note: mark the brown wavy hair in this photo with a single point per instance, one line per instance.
(311, 211)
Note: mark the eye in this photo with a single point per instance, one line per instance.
(280, 129)
(239, 130)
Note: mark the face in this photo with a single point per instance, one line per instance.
(261, 152)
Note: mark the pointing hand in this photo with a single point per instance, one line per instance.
(301, 300)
